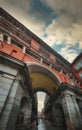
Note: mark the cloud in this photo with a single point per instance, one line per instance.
(16, 3)
(68, 25)
(21, 11)
(40, 11)
(58, 33)
(68, 7)
(68, 53)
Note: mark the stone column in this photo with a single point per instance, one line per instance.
(8, 103)
(71, 109)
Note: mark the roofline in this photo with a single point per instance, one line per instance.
(76, 59)
(2, 11)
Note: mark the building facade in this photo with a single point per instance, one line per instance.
(29, 65)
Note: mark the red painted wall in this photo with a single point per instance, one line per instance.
(16, 52)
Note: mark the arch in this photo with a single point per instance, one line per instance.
(23, 116)
(24, 105)
(43, 78)
(59, 117)
(42, 90)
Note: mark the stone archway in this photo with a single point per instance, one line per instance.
(59, 117)
(43, 78)
(23, 119)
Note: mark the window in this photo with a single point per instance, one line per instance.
(78, 65)
(5, 38)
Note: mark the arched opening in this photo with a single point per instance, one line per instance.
(58, 117)
(43, 78)
(38, 105)
(41, 99)
(23, 115)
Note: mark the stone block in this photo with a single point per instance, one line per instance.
(3, 92)
(6, 79)
(5, 85)
(14, 89)
(7, 69)
(2, 98)
(1, 106)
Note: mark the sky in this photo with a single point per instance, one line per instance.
(41, 98)
(57, 22)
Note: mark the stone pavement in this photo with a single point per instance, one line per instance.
(44, 126)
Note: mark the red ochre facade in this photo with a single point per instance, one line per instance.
(17, 53)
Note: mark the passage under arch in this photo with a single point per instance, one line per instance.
(43, 78)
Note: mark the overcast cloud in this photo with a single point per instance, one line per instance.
(57, 22)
